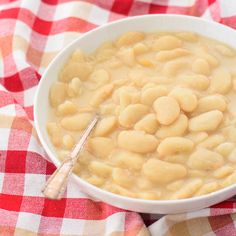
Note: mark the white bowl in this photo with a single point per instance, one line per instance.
(89, 42)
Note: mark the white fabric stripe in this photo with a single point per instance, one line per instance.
(162, 227)
(22, 29)
(8, 110)
(1, 181)
(55, 43)
(200, 213)
(72, 226)
(5, 132)
(210, 234)
(227, 8)
(69, 37)
(33, 184)
(81, 9)
(98, 15)
(113, 223)
(179, 3)
(41, 70)
(2, 88)
(207, 14)
(33, 6)
(35, 146)
(10, 5)
(28, 221)
(71, 9)
(20, 60)
(29, 96)
(159, 226)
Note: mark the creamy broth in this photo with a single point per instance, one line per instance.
(168, 115)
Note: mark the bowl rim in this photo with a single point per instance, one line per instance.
(86, 184)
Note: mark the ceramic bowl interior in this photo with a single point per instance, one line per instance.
(88, 43)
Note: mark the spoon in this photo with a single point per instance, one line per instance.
(56, 184)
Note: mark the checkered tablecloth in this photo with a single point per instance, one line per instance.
(31, 34)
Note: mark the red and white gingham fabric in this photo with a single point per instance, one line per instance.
(31, 33)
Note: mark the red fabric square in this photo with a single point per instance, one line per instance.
(9, 13)
(122, 6)
(10, 202)
(54, 208)
(50, 168)
(42, 26)
(53, 2)
(15, 162)
(157, 9)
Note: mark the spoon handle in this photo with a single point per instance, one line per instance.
(56, 184)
